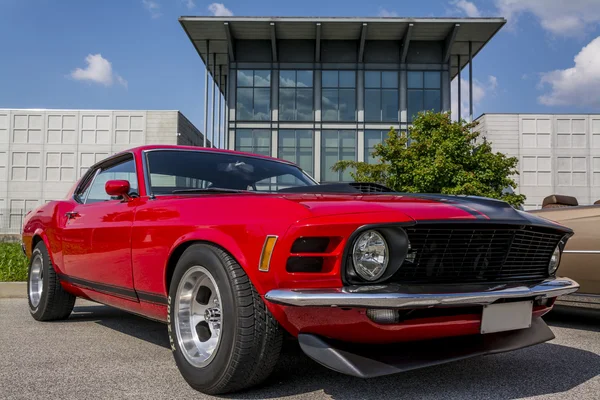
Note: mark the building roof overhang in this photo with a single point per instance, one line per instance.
(222, 33)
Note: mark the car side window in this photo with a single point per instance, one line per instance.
(123, 171)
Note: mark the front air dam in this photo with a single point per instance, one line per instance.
(369, 361)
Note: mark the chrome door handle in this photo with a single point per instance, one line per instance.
(71, 214)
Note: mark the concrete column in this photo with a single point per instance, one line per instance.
(212, 94)
(206, 94)
(317, 159)
(219, 113)
(459, 90)
(360, 95)
(470, 82)
(403, 95)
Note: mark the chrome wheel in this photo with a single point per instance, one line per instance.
(36, 280)
(198, 317)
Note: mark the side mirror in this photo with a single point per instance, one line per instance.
(118, 188)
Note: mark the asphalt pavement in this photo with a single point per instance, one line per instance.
(103, 353)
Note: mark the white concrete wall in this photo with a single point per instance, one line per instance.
(558, 154)
(44, 152)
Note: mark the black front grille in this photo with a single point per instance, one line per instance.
(478, 254)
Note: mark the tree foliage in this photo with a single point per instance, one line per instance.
(443, 156)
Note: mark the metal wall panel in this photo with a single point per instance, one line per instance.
(558, 153)
(44, 152)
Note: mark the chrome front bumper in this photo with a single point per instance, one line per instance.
(398, 296)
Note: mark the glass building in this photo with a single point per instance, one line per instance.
(318, 90)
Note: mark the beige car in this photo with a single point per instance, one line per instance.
(581, 257)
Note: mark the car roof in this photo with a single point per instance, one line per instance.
(140, 149)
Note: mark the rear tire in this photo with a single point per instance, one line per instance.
(223, 337)
(48, 301)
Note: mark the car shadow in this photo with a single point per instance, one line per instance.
(536, 371)
(139, 327)
(574, 317)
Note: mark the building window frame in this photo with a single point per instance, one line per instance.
(296, 89)
(255, 147)
(338, 88)
(297, 148)
(253, 88)
(423, 85)
(382, 88)
(340, 150)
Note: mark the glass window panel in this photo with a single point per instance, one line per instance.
(305, 138)
(372, 79)
(389, 79)
(244, 78)
(244, 104)
(347, 154)
(330, 157)
(305, 79)
(432, 100)
(305, 160)
(415, 103)
(287, 78)
(433, 80)
(330, 78)
(330, 139)
(243, 138)
(329, 104)
(262, 104)
(372, 138)
(415, 79)
(262, 78)
(389, 106)
(288, 153)
(373, 105)
(348, 79)
(348, 139)
(262, 137)
(125, 170)
(304, 104)
(286, 104)
(347, 104)
(287, 138)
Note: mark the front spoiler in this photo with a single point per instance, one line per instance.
(369, 361)
(399, 296)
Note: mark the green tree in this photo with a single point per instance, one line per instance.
(443, 156)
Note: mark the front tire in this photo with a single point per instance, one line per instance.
(48, 301)
(223, 337)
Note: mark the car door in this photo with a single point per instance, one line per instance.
(96, 237)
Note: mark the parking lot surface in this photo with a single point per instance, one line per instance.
(103, 353)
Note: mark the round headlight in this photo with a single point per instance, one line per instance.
(554, 261)
(370, 255)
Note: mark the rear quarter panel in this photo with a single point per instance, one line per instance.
(582, 267)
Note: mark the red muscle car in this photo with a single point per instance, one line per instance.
(231, 250)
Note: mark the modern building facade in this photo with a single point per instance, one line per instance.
(318, 90)
(558, 153)
(44, 152)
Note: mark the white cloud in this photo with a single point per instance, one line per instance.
(467, 7)
(386, 13)
(189, 4)
(98, 70)
(560, 17)
(578, 85)
(219, 10)
(480, 91)
(492, 82)
(153, 7)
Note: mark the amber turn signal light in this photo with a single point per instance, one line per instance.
(267, 251)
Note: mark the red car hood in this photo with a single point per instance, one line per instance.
(417, 208)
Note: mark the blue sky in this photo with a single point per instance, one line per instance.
(547, 58)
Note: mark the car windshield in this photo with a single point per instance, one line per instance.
(185, 171)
